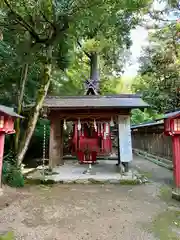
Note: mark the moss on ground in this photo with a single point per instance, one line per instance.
(165, 193)
(7, 236)
(94, 181)
(145, 173)
(166, 226)
(130, 182)
(88, 181)
(39, 182)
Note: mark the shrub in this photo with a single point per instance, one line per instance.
(11, 174)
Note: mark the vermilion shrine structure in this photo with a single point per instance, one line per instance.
(98, 110)
(7, 118)
(160, 140)
(172, 128)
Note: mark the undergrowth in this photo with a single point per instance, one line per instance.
(11, 174)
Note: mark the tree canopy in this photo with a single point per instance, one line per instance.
(159, 79)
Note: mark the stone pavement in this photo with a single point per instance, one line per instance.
(105, 171)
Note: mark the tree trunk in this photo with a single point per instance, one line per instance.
(94, 72)
(42, 92)
(20, 100)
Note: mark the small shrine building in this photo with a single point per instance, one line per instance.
(89, 108)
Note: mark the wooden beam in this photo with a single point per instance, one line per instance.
(56, 143)
(88, 115)
(119, 154)
(61, 160)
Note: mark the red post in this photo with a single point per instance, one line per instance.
(2, 138)
(176, 160)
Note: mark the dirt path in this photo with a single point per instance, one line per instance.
(91, 212)
(154, 172)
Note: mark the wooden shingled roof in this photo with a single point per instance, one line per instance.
(95, 101)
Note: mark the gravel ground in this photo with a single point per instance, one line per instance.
(88, 212)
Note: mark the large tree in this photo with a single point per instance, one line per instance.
(105, 42)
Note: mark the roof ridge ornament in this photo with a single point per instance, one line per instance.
(91, 86)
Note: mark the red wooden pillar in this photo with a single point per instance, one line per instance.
(176, 160)
(2, 138)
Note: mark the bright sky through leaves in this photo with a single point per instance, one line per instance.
(139, 37)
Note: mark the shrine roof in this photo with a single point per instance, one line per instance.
(170, 115)
(9, 111)
(147, 124)
(96, 101)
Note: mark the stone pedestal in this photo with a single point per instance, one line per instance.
(176, 194)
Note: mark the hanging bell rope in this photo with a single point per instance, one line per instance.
(44, 145)
(44, 149)
(44, 142)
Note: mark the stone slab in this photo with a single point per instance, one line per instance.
(72, 172)
(26, 171)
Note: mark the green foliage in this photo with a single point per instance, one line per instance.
(71, 82)
(7, 236)
(108, 34)
(159, 75)
(38, 133)
(35, 149)
(11, 174)
(147, 115)
(102, 25)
